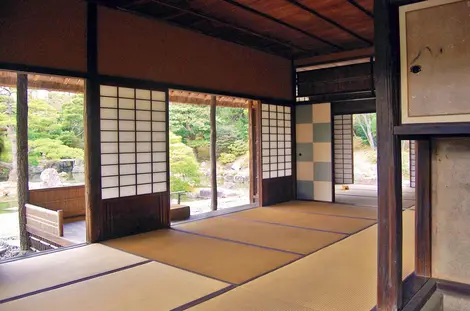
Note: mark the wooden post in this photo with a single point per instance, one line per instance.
(252, 150)
(389, 281)
(92, 132)
(22, 155)
(213, 153)
(423, 208)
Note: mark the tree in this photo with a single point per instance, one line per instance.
(8, 122)
(71, 119)
(184, 167)
(365, 128)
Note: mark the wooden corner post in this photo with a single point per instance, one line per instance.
(213, 153)
(389, 281)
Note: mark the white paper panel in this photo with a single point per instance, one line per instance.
(158, 126)
(144, 178)
(144, 126)
(107, 113)
(126, 114)
(127, 147)
(156, 95)
(265, 130)
(144, 157)
(281, 166)
(109, 136)
(142, 94)
(288, 172)
(126, 136)
(265, 167)
(159, 177)
(158, 106)
(265, 137)
(126, 125)
(127, 180)
(280, 173)
(273, 130)
(109, 159)
(108, 90)
(159, 136)
(264, 107)
(281, 151)
(273, 174)
(126, 92)
(144, 136)
(273, 167)
(144, 168)
(265, 114)
(288, 151)
(108, 102)
(144, 189)
(265, 160)
(273, 144)
(288, 165)
(158, 116)
(109, 182)
(265, 122)
(273, 159)
(159, 156)
(142, 115)
(159, 187)
(127, 191)
(159, 146)
(109, 193)
(144, 147)
(109, 170)
(127, 169)
(272, 115)
(265, 152)
(273, 151)
(287, 116)
(126, 158)
(142, 104)
(108, 125)
(280, 158)
(109, 147)
(265, 144)
(159, 167)
(126, 103)
(265, 175)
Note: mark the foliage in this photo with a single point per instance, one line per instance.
(184, 167)
(226, 158)
(238, 148)
(52, 149)
(365, 128)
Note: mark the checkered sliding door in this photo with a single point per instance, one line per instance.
(314, 158)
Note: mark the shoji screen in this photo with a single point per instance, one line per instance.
(276, 141)
(343, 147)
(133, 141)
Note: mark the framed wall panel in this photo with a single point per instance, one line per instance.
(133, 127)
(435, 61)
(343, 149)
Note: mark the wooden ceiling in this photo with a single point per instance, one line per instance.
(292, 29)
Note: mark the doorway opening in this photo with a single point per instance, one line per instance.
(53, 179)
(209, 135)
(355, 150)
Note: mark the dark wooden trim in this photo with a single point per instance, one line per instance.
(340, 96)
(330, 21)
(390, 235)
(293, 132)
(306, 61)
(42, 70)
(353, 106)
(435, 129)
(140, 83)
(423, 208)
(213, 152)
(453, 287)
(92, 130)
(219, 21)
(419, 299)
(360, 7)
(271, 18)
(259, 150)
(22, 155)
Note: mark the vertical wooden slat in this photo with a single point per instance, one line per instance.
(423, 208)
(252, 150)
(60, 222)
(92, 132)
(213, 153)
(22, 155)
(389, 282)
(259, 150)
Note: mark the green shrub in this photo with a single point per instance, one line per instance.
(184, 167)
(226, 158)
(238, 148)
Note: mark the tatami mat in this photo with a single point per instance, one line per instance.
(152, 286)
(278, 237)
(223, 260)
(39, 272)
(304, 220)
(342, 277)
(328, 209)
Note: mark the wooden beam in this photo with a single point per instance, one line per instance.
(252, 150)
(360, 7)
(390, 248)
(213, 153)
(334, 57)
(92, 130)
(329, 20)
(22, 155)
(423, 208)
(271, 18)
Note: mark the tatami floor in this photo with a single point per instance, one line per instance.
(293, 256)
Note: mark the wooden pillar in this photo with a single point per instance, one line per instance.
(213, 153)
(22, 155)
(389, 282)
(423, 208)
(92, 132)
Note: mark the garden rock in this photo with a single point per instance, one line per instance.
(50, 178)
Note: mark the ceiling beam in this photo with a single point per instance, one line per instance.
(360, 7)
(329, 20)
(242, 29)
(334, 57)
(278, 21)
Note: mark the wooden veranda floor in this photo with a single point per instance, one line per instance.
(294, 256)
(366, 195)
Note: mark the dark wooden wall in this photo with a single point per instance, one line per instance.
(277, 190)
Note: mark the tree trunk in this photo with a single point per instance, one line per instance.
(22, 155)
(213, 154)
(13, 174)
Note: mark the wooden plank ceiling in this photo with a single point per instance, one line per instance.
(292, 29)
